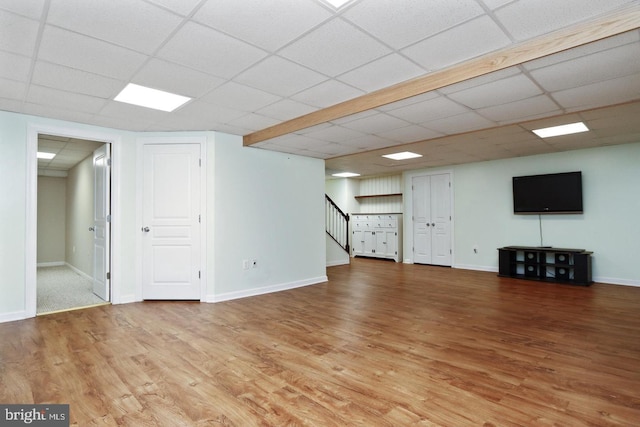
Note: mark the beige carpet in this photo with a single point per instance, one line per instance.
(61, 288)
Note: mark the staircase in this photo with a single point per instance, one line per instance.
(336, 223)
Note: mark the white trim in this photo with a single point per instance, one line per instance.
(407, 233)
(14, 316)
(141, 141)
(335, 263)
(614, 281)
(228, 296)
(33, 130)
(488, 269)
(50, 264)
(80, 272)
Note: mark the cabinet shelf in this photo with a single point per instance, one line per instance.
(558, 265)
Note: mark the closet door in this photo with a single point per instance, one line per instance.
(432, 219)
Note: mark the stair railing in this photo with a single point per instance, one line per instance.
(336, 223)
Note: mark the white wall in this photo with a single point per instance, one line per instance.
(268, 207)
(52, 196)
(80, 216)
(260, 205)
(484, 216)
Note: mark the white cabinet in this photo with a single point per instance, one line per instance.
(377, 235)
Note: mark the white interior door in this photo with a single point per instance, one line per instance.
(441, 219)
(171, 222)
(421, 219)
(101, 221)
(432, 219)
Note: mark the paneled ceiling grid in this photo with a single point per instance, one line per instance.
(254, 64)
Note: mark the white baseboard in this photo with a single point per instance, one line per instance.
(80, 272)
(340, 262)
(614, 281)
(476, 268)
(125, 299)
(51, 264)
(228, 296)
(12, 317)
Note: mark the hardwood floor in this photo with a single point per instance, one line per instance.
(380, 344)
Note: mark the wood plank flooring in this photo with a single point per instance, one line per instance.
(380, 344)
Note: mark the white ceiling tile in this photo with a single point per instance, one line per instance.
(182, 7)
(494, 4)
(121, 110)
(429, 110)
(527, 19)
(409, 101)
(211, 113)
(498, 92)
(6, 104)
(584, 50)
(327, 93)
(520, 110)
(382, 73)
(30, 9)
(334, 48)
(12, 89)
(210, 51)
(239, 97)
(458, 44)
(88, 54)
(617, 62)
(280, 77)
(286, 109)
(599, 94)
(56, 112)
(253, 122)
(129, 23)
(53, 97)
(369, 142)
(174, 78)
(482, 80)
(254, 20)
(17, 34)
(72, 80)
(14, 67)
(376, 123)
(400, 23)
(465, 122)
(334, 134)
(410, 133)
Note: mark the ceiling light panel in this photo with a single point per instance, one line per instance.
(345, 174)
(405, 155)
(150, 98)
(561, 130)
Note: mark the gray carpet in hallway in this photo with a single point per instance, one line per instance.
(61, 288)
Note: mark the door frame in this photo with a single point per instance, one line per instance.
(31, 237)
(408, 209)
(173, 140)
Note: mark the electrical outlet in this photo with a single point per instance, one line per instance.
(254, 263)
(245, 264)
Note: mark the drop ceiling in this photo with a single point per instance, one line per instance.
(457, 81)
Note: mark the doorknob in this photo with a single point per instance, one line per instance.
(428, 224)
(433, 224)
(92, 229)
(145, 229)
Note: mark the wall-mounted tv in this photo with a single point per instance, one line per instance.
(554, 193)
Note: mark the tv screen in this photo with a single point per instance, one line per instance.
(550, 193)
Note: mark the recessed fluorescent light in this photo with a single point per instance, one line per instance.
(561, 130)
(46, 156)
(150, 98)
(337, 3)
(402, 156)
(345, 174)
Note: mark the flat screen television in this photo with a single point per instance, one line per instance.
(554, 193)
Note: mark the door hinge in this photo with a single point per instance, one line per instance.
(450, 251)
(199, 274)
(200, 162)
(108, 275)
(108, 162)
(108, 218)
(199, 218)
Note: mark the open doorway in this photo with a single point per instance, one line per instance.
(73, 235)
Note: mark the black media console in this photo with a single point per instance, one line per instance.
(560, 265)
